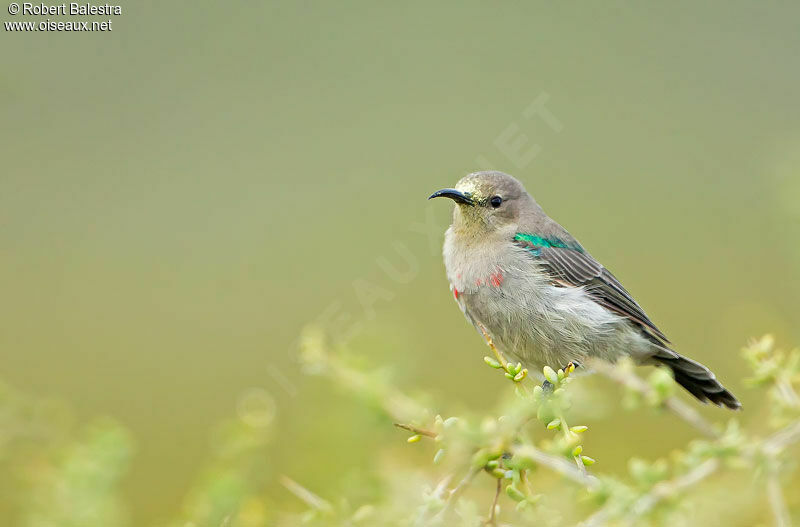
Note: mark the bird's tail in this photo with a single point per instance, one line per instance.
(697, 379)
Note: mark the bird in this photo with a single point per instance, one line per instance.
(533, 291)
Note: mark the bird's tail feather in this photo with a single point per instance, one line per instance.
(697, 379)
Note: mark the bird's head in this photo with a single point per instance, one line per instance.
(487, 201)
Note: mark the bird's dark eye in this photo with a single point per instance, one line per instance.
(496, 201)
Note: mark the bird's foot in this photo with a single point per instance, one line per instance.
(572, 366)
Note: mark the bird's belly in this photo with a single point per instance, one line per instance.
(539, 324)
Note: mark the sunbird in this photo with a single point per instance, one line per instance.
(536, 294)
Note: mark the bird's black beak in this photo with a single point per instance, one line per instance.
(455, 195)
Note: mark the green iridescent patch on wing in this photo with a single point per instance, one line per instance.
(534, 242)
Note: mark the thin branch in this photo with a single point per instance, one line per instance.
(415, 430)
(500, 357)
(786, 392)
(771, 446)
(666, 489)
(580, 465)
(777, 503)
(493, 511)
(438, 492)
(673, 404)
(394, 402)
(657, 494)
(557, 464)
(310, 499)
(782, 438)
(458, 491)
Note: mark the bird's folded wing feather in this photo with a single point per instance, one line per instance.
(570, 266)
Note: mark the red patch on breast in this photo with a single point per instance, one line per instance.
(456, 293)
(496, 278)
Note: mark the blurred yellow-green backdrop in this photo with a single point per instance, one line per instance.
(181, 195)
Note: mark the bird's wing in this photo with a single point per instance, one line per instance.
(570, 266)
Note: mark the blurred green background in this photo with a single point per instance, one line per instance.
(180, 196)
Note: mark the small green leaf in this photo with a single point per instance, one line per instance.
(554, 424)
(480, 458)
(579, 429)
(662, 383)
(495, 454)
(493, 363)
(577, 451)
(499, 473)
(514, 494)
(414, 438)
(550, 375)
(588, 461)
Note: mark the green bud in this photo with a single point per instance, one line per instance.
(509, 376)
(495, 454)
(545, 413)
(521, 375)
(577, 451)
(491, 362)
(587, 461)
(414, 438)
(578, 429)
(554, 424)
(571, 440)
(438, 457)
(499, 473)
(480, 458)
(560, 374)
(514, 494)
(492, 464)
(662, 383)
(550, 375)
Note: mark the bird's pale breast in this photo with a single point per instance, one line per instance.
(501, 289)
